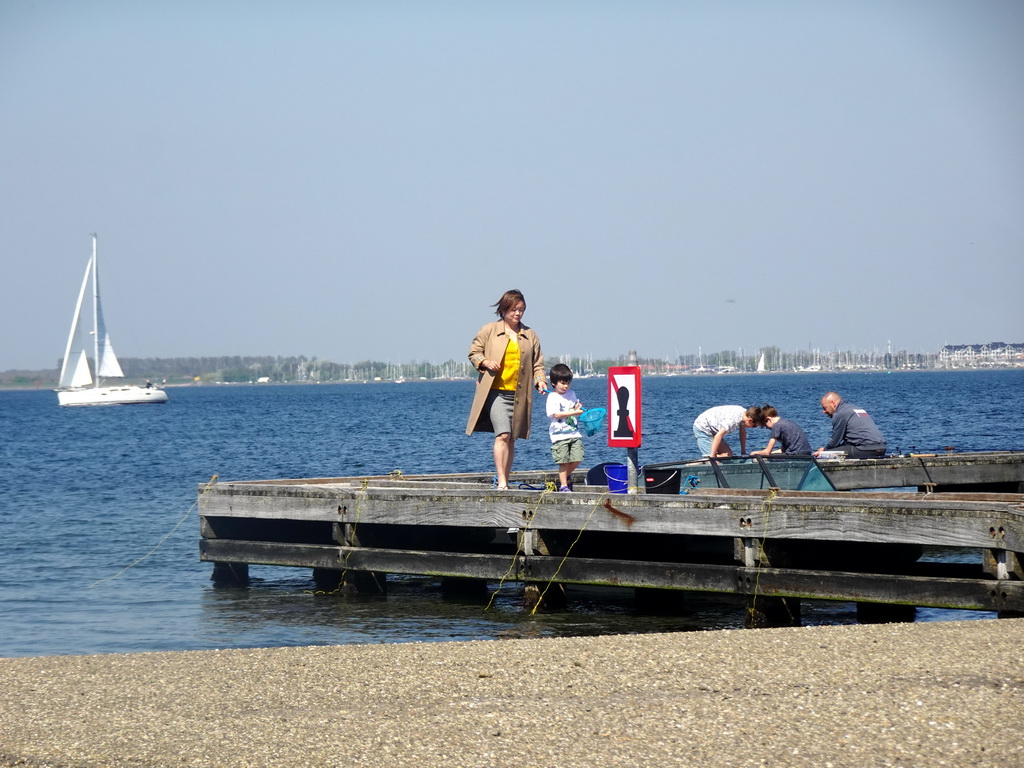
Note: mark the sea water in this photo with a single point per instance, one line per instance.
(99, 530)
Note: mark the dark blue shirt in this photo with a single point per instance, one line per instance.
(791, 436)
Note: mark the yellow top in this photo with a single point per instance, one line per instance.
(509, 375)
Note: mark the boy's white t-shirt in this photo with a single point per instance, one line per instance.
(562, 429)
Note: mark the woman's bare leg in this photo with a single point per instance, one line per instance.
(504, 452)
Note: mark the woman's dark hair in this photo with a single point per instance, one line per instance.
(508, 300)
(559, 373)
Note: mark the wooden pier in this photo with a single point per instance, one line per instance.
(773, 546)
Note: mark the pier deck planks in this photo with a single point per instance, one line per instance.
(843, 545)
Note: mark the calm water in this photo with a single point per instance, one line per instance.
(87, 492)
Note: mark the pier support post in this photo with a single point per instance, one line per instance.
(538, 594)
(361, 582)
(1006, 566)
(457, 587)
(331, 580)
(344, 579)
(658, 601)
(230, 574)
(885, 613)
(767, 610)
(328, 579)
(369, 582)
(1002, 564)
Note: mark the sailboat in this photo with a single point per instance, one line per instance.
(78, 385)
(760, 365)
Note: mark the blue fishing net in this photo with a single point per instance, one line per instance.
(591, 420)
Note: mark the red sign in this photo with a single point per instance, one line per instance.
(624, 407)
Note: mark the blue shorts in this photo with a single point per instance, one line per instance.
(704, 441)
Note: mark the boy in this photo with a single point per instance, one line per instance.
(788, 433)
(563, 409)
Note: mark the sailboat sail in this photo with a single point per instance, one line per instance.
(81, 376)
(760, 364)
(75, 370)
(106, 361)
(109, 367)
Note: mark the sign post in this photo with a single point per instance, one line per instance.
(624, 417)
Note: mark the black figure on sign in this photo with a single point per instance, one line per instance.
(622, 428)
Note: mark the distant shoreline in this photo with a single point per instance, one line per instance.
(52, 385)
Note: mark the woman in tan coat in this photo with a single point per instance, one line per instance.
(507, 355)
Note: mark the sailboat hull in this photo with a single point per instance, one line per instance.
(119, 395)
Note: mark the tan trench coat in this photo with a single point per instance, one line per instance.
(490, 344)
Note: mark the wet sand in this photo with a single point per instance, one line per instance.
(930, 694)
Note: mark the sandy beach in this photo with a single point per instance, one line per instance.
(928, 694)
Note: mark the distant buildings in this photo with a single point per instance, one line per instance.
(995, 353)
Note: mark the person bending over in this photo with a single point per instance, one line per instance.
(711, 427)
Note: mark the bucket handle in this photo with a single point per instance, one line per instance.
(665, 481)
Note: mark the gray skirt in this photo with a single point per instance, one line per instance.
(499, 407)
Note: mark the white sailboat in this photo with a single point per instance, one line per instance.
(760, 365)
(77, 384)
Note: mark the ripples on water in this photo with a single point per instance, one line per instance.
(88, 491)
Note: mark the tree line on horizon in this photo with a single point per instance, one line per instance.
(246, 368)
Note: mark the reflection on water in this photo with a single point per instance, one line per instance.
(290, 611)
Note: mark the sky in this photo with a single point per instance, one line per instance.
(358, 180)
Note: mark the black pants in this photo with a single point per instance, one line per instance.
(854, 452)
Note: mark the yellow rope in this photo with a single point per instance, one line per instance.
(504, 577)
(548, 488)
(766, 507)
(355, 524)
(512, 565)
(177, 525)
(344, 568)
(568, 551)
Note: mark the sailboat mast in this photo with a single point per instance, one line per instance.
(95, 313)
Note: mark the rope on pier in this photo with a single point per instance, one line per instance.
(166, 536)
(548, 488)
(568, 551)
(348, 554)
(766, 508)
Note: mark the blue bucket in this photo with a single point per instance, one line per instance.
(618, 478)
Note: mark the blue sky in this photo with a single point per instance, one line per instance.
(351, 180)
